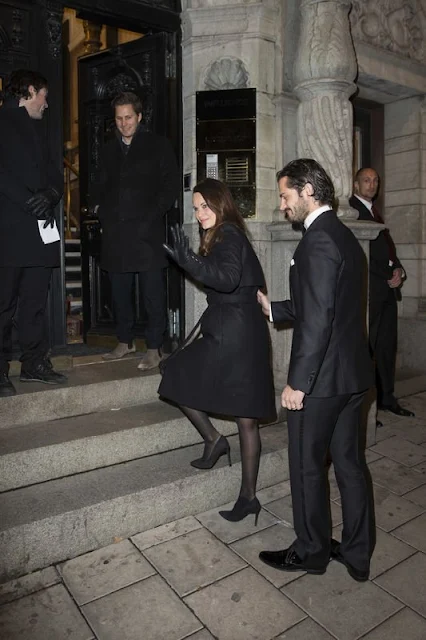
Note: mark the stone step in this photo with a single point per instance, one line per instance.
(90, 388)
(60, 519)
(44, 451)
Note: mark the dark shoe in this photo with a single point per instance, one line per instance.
(219, 449)
(6, 387)
(43, 372)
(288, 560)
(356, 574)
(379, 424)
(242, 508)
(396, 408)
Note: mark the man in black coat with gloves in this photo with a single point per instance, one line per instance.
(139, 183)
(30, 188)
(386, 278)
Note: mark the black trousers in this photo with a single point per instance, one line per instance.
(383, 321)
(330, 424)
(29, 286)
(153, 296)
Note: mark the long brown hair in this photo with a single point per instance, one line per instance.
(219, 199)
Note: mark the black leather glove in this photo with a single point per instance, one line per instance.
(180, 252)
(50, 220)
(41, 203)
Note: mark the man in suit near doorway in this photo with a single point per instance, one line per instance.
(329, 373)
(30, 188)
(139, 183)
(386, 278)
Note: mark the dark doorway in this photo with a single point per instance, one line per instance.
(369, 139)
(139, 66)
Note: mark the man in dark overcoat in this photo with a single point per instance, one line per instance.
(386, 278)
(139, 183)
(30, 188)
(329, 373)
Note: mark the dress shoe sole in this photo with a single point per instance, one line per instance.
(355, 576)
(107, 357)
(317, 572)
(42, 381)
(148, 367)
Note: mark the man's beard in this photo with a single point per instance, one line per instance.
(298, 214)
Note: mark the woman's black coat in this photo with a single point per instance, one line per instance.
(136, 190)
(228, 369)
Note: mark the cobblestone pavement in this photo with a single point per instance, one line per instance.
(200, 577)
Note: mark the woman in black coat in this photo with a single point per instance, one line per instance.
(227, 370)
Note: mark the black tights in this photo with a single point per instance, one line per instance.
(250, 445)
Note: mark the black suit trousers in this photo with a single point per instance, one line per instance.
(29, 287)
(330, 425)
(383, 324)
(153, 295)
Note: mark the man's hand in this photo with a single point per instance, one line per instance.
(50, 220)
(264, 302)
(292, 399)
(41, 203)
(396, 279)
(180, 252)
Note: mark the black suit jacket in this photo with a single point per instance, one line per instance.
(329, 354)
(25, 167)
(380, 271)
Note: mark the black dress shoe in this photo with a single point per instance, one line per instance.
(6, 387)
(396, 408)
(42, 372)
(288, 560)
(356, 574)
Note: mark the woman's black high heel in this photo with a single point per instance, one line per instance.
(220, 448)
(242, 508)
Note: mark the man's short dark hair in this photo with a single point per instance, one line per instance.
(361, 171)
(300, 172)
(127, 97)
(20, 80)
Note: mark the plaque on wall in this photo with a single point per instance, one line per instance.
(226, 142)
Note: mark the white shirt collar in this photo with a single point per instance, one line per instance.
(314, 215)
(366, 203)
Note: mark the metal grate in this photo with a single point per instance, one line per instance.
(237, 170)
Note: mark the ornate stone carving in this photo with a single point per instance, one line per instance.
(396, 25)
(226, 73)
(325, 70)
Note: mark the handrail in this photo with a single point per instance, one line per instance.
(69, 167)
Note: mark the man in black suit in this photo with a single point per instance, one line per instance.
(329, 373)
(386, 278)
(30, 188)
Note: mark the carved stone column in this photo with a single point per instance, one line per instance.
(325, 69)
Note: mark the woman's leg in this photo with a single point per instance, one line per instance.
(202, 423)
(250, 455)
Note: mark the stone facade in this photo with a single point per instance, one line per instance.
(306, 58)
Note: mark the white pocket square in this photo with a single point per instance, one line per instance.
(291, 262)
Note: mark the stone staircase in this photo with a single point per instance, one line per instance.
(102, 459)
